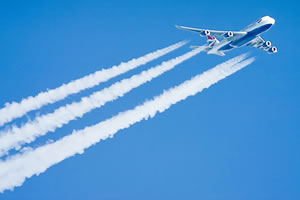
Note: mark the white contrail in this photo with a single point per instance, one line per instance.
(17, 109)
(14, 170)
(16, 136)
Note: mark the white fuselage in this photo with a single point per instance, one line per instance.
(251, 32)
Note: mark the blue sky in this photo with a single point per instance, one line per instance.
(237, 140)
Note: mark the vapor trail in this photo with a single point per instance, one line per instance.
(16, 169)
(17, 109)
(16, 136)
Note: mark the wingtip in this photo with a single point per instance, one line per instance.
(177, 26)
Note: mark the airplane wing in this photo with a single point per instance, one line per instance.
(259, 43)
(221, 34)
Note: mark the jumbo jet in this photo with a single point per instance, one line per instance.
(249, 36)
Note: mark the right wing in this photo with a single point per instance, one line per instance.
(259, 43)
(220, 34)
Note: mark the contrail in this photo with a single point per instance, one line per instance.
(16, 136)
(14, 170)
(17, 109)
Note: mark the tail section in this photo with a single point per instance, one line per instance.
(207, 49)
(195, 47)
(211, 40)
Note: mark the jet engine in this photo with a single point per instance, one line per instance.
(228, 34)
(273, 50)
(205, 33)
(267, 44)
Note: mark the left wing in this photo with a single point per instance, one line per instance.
(221, 34)
(259, 43)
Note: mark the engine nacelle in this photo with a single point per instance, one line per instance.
(267, 44)
(205, 33)
(228, 34)
(273, 50)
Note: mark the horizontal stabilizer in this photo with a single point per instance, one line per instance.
(194, 47)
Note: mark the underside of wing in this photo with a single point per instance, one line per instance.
(220, 34)
(259, 43)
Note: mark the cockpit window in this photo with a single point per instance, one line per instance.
(258, 21)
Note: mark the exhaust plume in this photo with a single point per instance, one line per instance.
(17, 109)
(16, 136)
(14, 170)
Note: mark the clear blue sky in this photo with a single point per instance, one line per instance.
(237, 140)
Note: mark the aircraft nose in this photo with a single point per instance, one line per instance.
(269, 20)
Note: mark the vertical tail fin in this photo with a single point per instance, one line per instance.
(211, 40)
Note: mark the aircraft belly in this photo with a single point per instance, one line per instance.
(250, 36)
(242, 41)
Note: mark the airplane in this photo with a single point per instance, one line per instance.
(249, 36)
